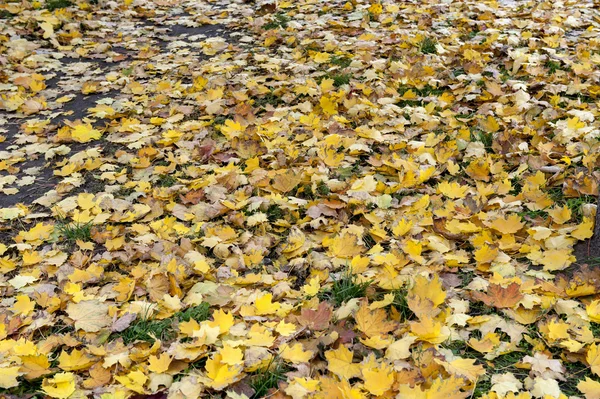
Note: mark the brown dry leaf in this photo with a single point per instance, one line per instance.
(500, 297)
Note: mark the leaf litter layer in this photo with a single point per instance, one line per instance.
(301, 200)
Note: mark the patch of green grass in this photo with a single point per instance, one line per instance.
(198, 313)
(574, 372)
(73, 231)
(486, 138)
(516, 186)
(533, 214)
(52, 5)
(458, 71)
(220, 120)
(552, 66)
(267, 378)
(595, 327)
(341, 61)
(341, 79)
(427, 46)
(267, 99)
(124, 191)
(424, 91)
(147, 330)
(465, 116)
(274, 212)
(280, 20)
(4, 14)
(348, 172)
(466, 276)
(482, 386)
(323, 189)
(143, 329)
(480, 308)
(345, 288)
(576, 205)
(166, 181)
(401, 304)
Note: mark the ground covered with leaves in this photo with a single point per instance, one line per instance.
(313, 199)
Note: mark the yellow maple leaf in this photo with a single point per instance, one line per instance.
(593, 358)
(220, 374)
(60, 386)
(223, 320)
(328, 105)
(232, 129)
(378, 380)
(430, 330)
(23, 305)
(486, 254)
(509, 225)
(441, 388)
(85, 133)
(463, 367)
(560, 215)
(134, 380)
(264, 306)
(232, 356)
(313, 287)
(8, 376)
(489, 124)
(295, 353)
(452, 189)
(76, 360)
(425, 296)
(159, 364)
(321, 58)
(35, 366)
(346, 245)
(593, 311)
(339, 362)
(402, 227)
(400, 349)
(590, 388)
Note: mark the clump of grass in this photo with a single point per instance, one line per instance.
(166, 181)
(595, 328)
(322, 188)
(280, 20)
(427, 46)
(486, 138)
(401, 304)
(220, 120)
(267, 99)
(552, 66)
(144, 329)
(345, 288)
(148, 330)
(198, 313)
(52, 5)
(267, 378)
(341, 79)
(73, 231)
(4, 14)
(274, 212)
(341, 61)
(576, 205)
